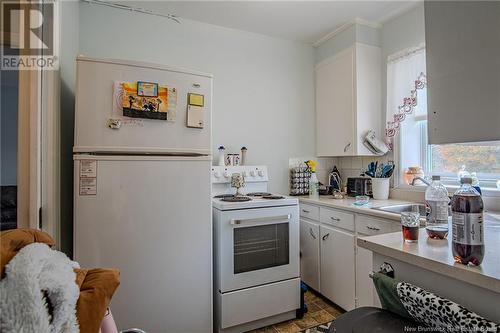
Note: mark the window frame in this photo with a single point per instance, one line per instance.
(449, 179)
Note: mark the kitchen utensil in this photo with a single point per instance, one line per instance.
(372, 168)
(386, 171)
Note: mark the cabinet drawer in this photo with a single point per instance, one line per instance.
(367, 225)
(246, 305)
(309, 211)
(337, 218)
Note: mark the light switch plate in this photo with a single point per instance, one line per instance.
(195, 116)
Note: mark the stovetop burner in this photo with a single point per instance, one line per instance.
(273, 197)
(224, 196)
(236, 199)
(258, 194)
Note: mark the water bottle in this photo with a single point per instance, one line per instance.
(436, 206)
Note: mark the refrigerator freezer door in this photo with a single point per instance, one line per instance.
(150, 217)
(99, 127)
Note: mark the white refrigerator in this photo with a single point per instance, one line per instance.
(142, 195)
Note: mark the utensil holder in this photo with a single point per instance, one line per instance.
(380, 188)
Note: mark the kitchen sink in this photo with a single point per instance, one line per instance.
(398, 209)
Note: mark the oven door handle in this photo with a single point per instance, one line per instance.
(262, 220)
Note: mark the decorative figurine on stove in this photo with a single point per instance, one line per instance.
(237, 181)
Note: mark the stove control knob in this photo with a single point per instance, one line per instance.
(226, 174)
(261, 173)
(252, 173)
(216, 174)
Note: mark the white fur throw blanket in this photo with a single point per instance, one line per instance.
(34, 273)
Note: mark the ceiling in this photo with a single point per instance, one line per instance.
(305, 21)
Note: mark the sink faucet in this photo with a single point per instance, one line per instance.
(425, 181)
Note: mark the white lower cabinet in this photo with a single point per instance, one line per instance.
(331, 262)
(368, 226)
(309, 253)
(337, 270)
(364, 285)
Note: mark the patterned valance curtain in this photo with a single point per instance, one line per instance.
(406, 83)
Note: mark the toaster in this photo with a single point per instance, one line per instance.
(359, 186)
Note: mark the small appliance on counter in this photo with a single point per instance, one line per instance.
(359, 186)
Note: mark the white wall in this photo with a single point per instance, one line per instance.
(263, 87)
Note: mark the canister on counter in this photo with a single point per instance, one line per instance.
(236, 159)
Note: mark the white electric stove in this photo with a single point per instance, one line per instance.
(256, 251)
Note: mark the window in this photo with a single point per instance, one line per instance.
(410, 141)
(448, 160)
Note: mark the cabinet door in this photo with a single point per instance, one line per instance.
(364, 285)
(463, 70)
(335, 105)
(337, 271)
(309, 253)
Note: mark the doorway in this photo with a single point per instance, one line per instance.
(9, 147)
(29, 140)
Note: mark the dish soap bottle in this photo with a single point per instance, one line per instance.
(313, 181)
(313, 186)
(436, 207)
(467, 224)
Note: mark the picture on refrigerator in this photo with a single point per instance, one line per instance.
(139, 101)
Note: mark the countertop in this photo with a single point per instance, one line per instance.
(348, 204)
(436, 255)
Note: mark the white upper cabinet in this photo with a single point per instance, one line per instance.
(348, 100)
(463, 71)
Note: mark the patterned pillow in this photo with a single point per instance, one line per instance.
(441, 313)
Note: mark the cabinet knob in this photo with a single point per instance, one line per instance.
(305, 211)
(312, 233)
(347, 147)
(325, 237)
(335, 218)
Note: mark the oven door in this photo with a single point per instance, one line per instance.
(258, 246)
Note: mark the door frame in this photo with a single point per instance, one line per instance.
(28, 149)
(38, 176)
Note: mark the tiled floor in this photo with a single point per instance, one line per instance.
(320, 311)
